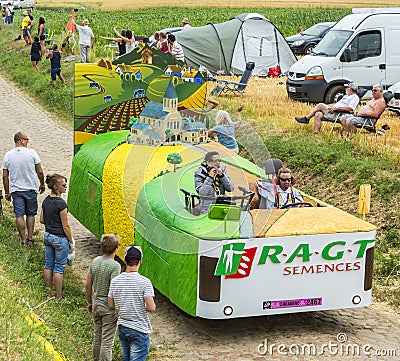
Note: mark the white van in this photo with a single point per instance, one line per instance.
(361, 47)
(19, 4)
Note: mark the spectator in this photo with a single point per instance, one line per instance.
(120, 41)
(31, 24)
(155, 41)
(42, 35)
(21, 168)
(36, 53)
(26, 23)
(225, 129)
(372, 110)
(185, 23)
(129, 40)
(163, 43)
(101, 271)
(132, 295)
(57, 236)
(55, 64)
(326, 112)
(3, 16)
(175, 48)
(86, 40)
(9, 15)
(211, 180)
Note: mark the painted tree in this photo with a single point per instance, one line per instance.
(174, 158)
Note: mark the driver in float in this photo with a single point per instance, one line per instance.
(277, 192)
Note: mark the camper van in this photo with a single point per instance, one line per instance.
(19, 4)
(361, 47)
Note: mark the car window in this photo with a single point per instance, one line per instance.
(332, 42)
(366, 45)
(316, 30)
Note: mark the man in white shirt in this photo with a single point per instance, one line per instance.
(185, 23)
(326, 112)
(86, 40)
(21, 168)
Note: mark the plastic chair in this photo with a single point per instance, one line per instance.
(231, 87)
(338, 113)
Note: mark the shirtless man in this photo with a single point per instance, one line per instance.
(372, 109)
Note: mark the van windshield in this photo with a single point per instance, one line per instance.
(331, 44)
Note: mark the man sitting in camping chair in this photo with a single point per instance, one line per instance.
(231, 87)
(367, 116)
(328, 112)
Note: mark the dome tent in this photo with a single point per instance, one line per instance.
(228, 46)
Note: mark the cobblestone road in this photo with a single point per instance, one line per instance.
(372, 332)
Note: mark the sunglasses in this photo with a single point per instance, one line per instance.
(376, 90)
(285, 179)
(215, 160)
(63, 185)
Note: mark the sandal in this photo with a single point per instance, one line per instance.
(29, 242)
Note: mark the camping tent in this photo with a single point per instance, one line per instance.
(230, 45)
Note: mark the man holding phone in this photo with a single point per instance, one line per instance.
(211, 180)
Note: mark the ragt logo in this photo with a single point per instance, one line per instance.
(235, 261)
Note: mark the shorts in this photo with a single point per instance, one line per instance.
(56, 250)
(25, 32)
(25, 203)
(330, 117)
(359, 120)
(9, 20)
(54, 72)
(35, 58)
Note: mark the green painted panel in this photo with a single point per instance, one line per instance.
(85, 188)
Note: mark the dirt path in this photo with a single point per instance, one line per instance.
(364, 332)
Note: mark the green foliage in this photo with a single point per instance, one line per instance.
(67, 326)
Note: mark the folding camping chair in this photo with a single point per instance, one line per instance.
(369, 124)
(231, 87)
(338, 113)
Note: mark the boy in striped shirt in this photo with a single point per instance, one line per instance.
(131, 294)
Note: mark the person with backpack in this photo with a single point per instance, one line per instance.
(9, 15)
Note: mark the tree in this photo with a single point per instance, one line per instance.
(174, 158)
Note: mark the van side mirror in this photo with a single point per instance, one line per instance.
(346, 56)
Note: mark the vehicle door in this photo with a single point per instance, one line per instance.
(368, 59)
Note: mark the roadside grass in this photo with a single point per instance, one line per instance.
(67, 325)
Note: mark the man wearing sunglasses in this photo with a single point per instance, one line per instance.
(21, 170)
(278, 192)
(211, 180)
(372, 110)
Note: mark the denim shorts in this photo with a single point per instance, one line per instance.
(56, 252)
(54, 72)
(25, 203)
(25, 32)
(135, 345)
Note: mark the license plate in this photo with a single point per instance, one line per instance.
(292, 89)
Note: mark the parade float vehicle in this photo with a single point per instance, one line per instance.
(232, 261)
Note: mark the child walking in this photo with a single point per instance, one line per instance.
(36, 54)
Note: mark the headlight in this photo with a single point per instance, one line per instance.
(315, 73)
(298, 42)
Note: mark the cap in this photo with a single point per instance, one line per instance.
(85, 22)
(352, 86)
(133, 253)
(25, 12)
(185, 21)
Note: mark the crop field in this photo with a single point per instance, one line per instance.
(118, 5)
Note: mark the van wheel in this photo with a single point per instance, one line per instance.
(334, 94)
